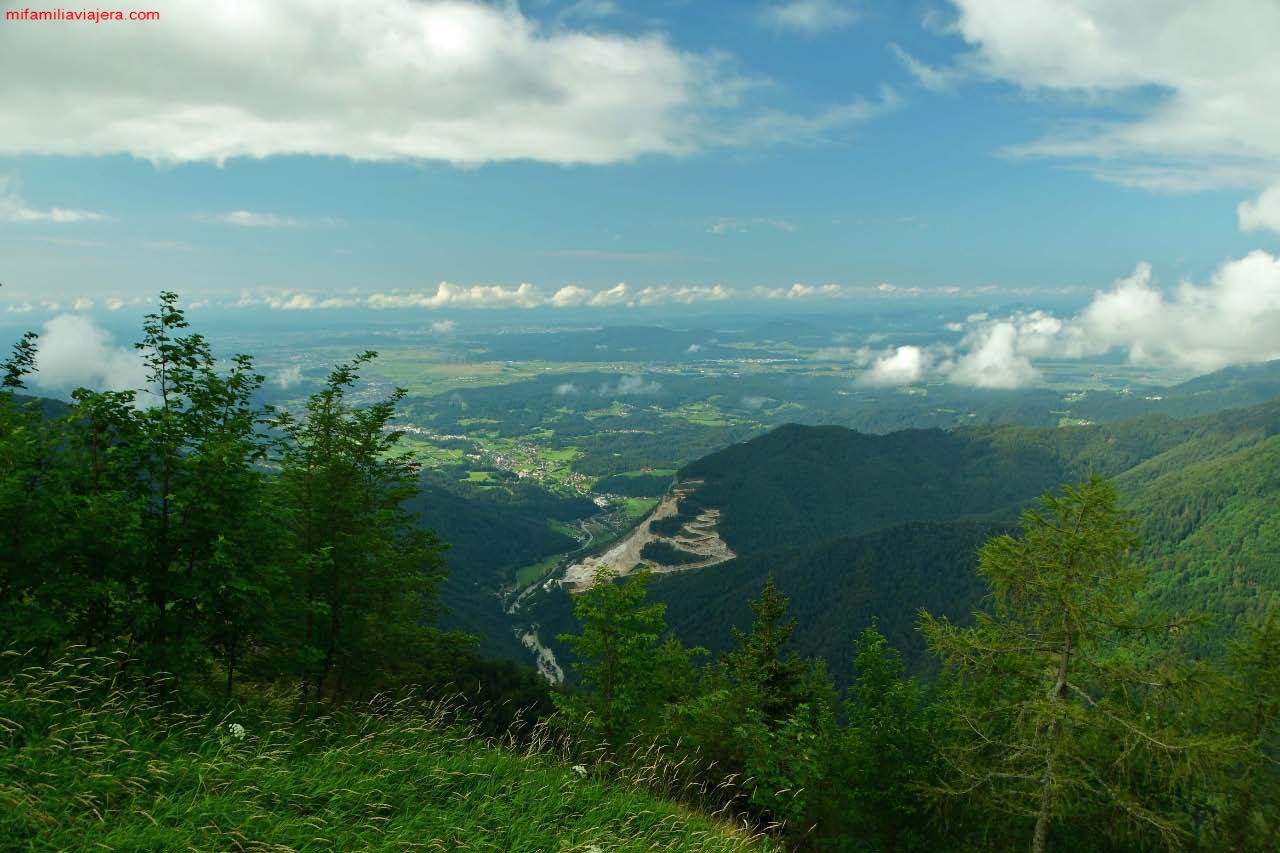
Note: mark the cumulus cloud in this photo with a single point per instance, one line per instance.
(800, 290)
(14, 208)
(292, 300)
(994, 359)
(74, 352)
(1262, 214)
(443, 327)
(1231, 319)
(449, 295)
(566, 389)
(1210, 69)
(902, 366)
(391, 80)
(630, 386)
(810, 16)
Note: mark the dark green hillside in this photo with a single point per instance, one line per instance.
(812, 484)
(1212, 530)
(840, 587)
(489, 539)
(854, 526)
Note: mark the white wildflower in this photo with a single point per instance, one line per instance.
(580, 769)
(236, 730)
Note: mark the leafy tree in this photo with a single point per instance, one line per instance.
(1065, 717)
(365, 575)
(628, 671)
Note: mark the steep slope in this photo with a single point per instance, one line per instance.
(85, 765)
(1212, 530)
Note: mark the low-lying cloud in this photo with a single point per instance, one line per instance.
(1234, 318)
(74, 352)
(630, 386)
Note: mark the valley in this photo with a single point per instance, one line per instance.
(576, 459)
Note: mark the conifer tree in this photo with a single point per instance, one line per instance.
(1065, 719)
(886, 751)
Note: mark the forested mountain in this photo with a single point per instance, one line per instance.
(859, 527)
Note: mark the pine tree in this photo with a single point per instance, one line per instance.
(774, 680)
(1065, 718)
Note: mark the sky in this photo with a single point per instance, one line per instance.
(410, 156)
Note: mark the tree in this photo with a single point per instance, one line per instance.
(1064, 712)
(1252, 707)
(629, 673)
(774, 681)
(887, 750)
(365, 575)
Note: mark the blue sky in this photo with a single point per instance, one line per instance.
(326, 153)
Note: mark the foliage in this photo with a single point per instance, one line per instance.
(628, 672)
(158, 520)
(885, 752)
(1065, 720)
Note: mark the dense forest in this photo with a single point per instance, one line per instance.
(860, 527)
(210, 609)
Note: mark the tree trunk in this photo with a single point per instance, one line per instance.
(1040, 842)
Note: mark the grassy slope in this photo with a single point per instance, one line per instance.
(83, 767)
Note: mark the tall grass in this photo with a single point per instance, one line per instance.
(89, 762)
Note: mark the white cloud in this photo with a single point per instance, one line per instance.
(693, 348)
(566, 389)
(1263, 214)
(462, 81)
(444, 327)
(1232, 319)
(292, 300)
(74, 352)
(993, 359)
(630, 386)
(14, 208)
(1211, 70)
(288, 377)
(82, 303)
(251, 219)
(902, 366)
(810, 16)
(448, 295)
